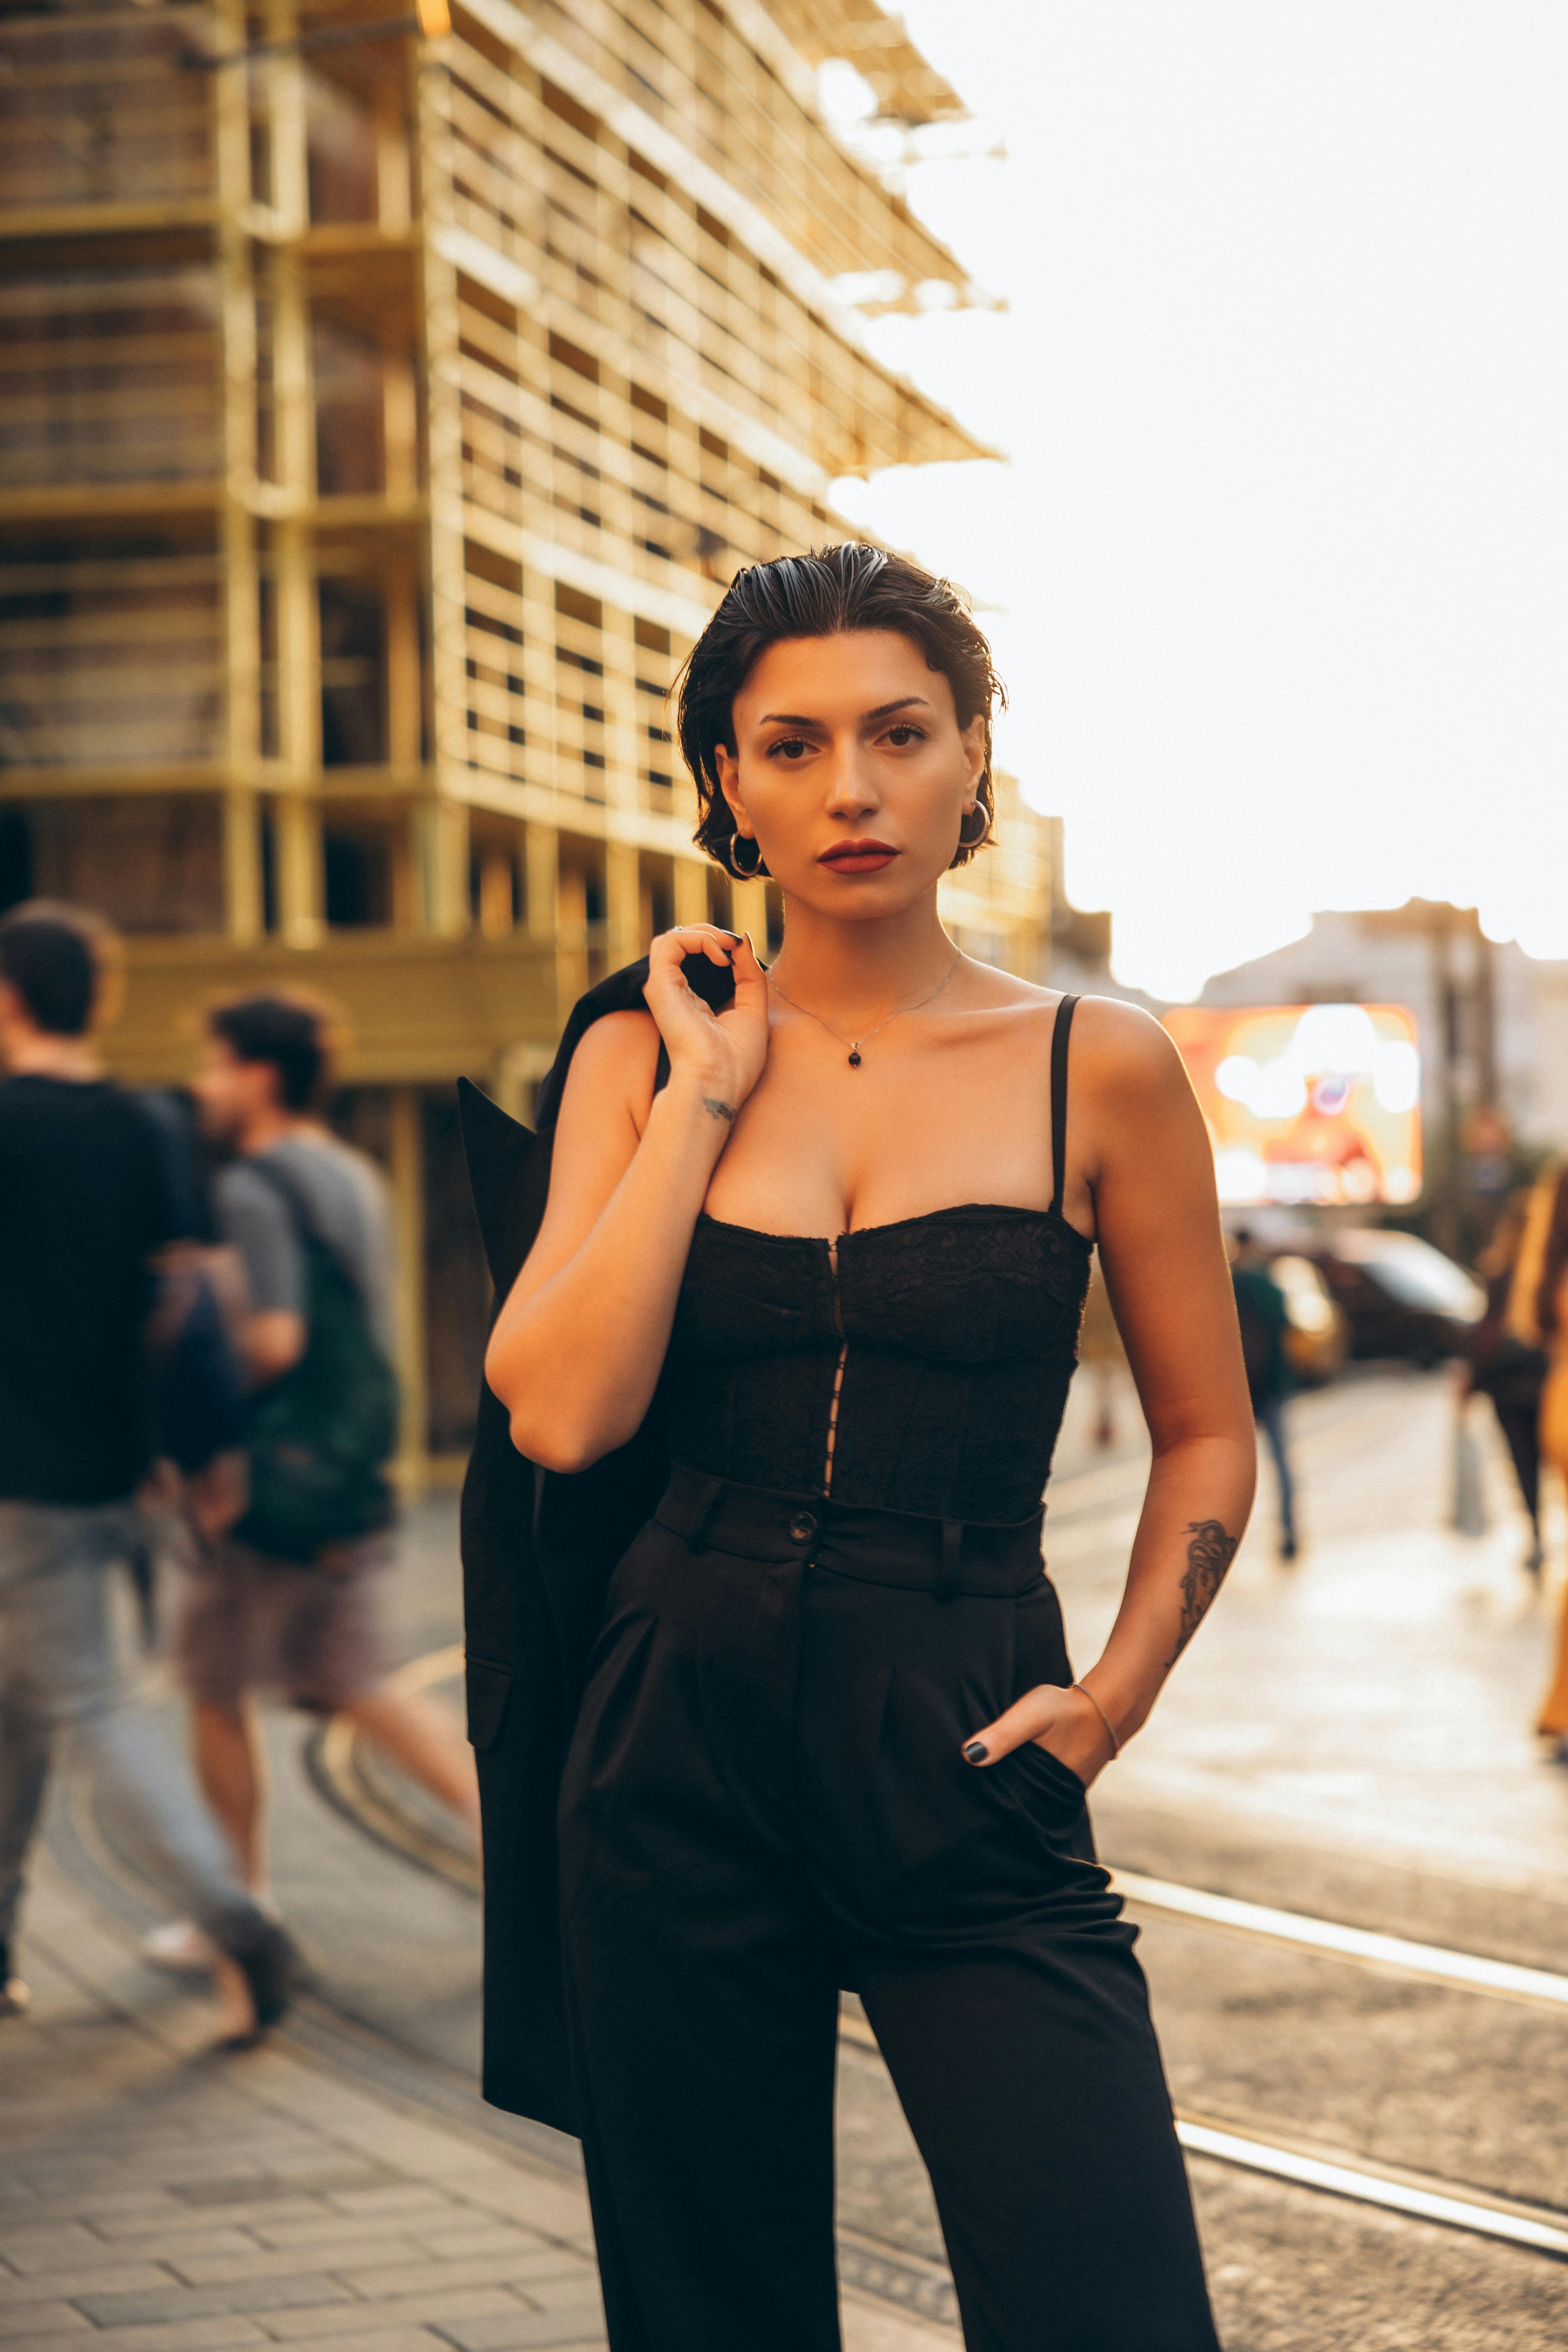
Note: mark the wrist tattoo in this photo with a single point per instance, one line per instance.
(1209, 1555)
(717, 1109)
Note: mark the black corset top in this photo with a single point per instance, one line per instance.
(936, 1354)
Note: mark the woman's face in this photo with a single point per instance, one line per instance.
(850, 771)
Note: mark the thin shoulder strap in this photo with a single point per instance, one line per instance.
(301, 1216)
(1059, 1037)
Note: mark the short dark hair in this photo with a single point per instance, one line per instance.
(54, 957)
(823, 594)
(288, 1033)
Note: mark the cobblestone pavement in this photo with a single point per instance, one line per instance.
(154, 2197)
(1348, 1738)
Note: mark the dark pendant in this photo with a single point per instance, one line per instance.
(854, 1057)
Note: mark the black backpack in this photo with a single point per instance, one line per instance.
(321, 1435)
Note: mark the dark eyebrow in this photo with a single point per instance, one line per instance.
(883, 710)
(907, 702)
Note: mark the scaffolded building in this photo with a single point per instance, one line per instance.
(381, 418)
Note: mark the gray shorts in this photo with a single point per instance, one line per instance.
(309, 1635)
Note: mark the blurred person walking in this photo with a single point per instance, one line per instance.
(85, 1210)
(284, 1601)
(1539, 1313)
(1509, 1371)
(1264, 1318)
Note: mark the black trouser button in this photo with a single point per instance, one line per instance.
(802, 1528)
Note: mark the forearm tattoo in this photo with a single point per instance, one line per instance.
(717, 1109)
(1209, 1554)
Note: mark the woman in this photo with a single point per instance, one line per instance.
(1508, 1369)
(1539, 1314)
(830, 1736)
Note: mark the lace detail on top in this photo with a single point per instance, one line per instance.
(960, 1335)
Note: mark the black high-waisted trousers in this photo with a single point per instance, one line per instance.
(765, 1800)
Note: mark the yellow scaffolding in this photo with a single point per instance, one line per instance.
(380, 420)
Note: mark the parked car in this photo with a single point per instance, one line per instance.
(1317, 1329)
(1399, 1295)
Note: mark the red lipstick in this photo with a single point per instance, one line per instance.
(859, 856)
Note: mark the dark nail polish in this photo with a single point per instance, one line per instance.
(976, 1751)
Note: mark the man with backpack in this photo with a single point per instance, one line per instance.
(285, 1601)
(1264, 1318)
(87, 1218)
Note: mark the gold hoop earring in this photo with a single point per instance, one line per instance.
(743, 873)
(983, 814)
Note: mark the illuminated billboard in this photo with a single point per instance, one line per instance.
(1316, 1103)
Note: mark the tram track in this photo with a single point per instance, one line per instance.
(351, 1782)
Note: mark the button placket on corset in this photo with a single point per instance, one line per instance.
(831, 1444)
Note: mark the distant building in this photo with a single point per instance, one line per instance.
(379, 424)
(1492, 1025)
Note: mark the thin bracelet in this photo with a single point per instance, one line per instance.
(1110, 1726)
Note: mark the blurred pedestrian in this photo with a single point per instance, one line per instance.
(85, 1210)
(1510, 1371)
(1264, 1318)
(285, 1601)
(1539, 1311)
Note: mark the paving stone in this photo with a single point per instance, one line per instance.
(488, 2270)
(163, 2244)
(54, 2248)
(559, 2294)
(377, 2339)
(207, 2335)
(102, 2278)
(325, 2227)
(182, 2336)
(250, 2214)
(406, 2311)
(116, 2213)
(309, 2177)
(555, 2208)
(259, 2262)
(34, 2318)
(585, 2324)
(176, 2302)
(397, 2197)
(481, 2235)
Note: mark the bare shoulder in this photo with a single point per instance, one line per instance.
(1120, 1051)
(613, 1070)
(1139, 1118)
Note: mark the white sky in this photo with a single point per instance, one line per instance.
(1282, 555)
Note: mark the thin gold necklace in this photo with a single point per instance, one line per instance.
(855, 1044)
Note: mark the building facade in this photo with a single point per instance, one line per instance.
(381, 419)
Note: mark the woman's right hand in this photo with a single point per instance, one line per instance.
(723, 1052)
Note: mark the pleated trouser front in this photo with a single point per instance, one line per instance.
(766, 1801)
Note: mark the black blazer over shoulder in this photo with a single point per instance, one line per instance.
(538, 1552)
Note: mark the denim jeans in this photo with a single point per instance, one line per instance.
(60, 1678)
(1271, 1414)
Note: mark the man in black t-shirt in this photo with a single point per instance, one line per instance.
(84, 1209)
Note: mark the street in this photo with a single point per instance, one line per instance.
(1348, 1740)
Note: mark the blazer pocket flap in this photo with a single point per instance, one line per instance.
(487, 1689)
